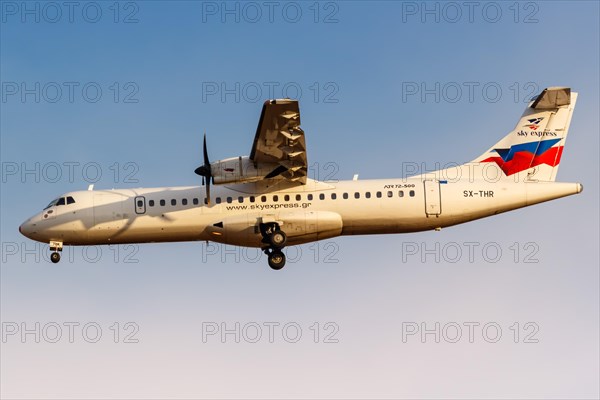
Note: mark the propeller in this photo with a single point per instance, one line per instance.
(205, 171)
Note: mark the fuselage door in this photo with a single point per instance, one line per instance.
(140, 205)
(433, 198)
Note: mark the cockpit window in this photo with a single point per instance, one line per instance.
(61, 201)
(52, 203)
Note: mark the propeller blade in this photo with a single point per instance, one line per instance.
(277, 171)
(208, 192)
(205, 151)
(205, 171)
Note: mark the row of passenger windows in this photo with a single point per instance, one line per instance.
(195, 201)
(287, 197)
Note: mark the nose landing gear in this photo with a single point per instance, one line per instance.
(275, 239)
(55, 257)
(55, 247)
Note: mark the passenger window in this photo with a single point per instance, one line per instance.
(309, 197)
(162, 203)
(287, 197)
(195, 201)
(263, 199)
(378, 195)
(184, 202)
(411, 193)
(298, 197)
(61, 202)
(140, 203)
(218, 200)
(368, 195)
(345, 195)
(333, 196)
(356, 195)
(151, 203)
(70, 200)
(390, 194)
(322, 196)
(173, 202)
(240, 199)
(229, 200)
(252, 199)
(401, 193)
(275, 198)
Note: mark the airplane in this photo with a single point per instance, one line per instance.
(266, 200)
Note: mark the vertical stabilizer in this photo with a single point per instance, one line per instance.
(532, 151)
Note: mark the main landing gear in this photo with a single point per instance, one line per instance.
(275, 240)
(55, 247)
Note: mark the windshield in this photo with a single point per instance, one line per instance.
(52, 203)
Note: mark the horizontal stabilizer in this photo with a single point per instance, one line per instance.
(553, 97)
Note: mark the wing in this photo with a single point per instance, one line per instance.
(279, 141)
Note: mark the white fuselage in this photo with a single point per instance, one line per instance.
(306, 213)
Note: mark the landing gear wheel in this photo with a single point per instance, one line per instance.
(276, 260)
(277, 239)
(55, 257)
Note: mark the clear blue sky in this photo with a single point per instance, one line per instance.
(168, 71)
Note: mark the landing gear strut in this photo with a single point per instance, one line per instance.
(275, 239)
(55, 247)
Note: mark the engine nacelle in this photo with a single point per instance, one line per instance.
(239, 170)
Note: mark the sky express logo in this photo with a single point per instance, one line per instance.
(534, 124)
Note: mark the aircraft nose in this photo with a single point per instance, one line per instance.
(26, 229)
(23, 228)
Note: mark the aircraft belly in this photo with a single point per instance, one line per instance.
(299, 227)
